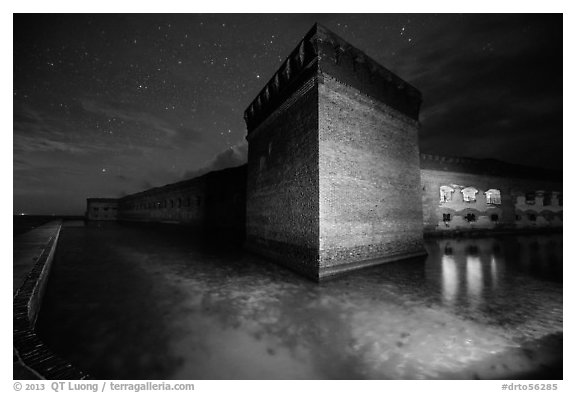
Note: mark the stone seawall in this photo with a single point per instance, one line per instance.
(35, 250)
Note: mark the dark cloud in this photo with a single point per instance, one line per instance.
(233, 156)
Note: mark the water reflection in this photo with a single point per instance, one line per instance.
(494, 272)
(472, 269)
(145, 303)
(450, 280)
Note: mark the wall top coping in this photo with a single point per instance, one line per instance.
(490, 167)
(185, 183)
(104, 200)
(322, 51)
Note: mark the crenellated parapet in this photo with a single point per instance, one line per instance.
(298, 66)
(322, 53)
(352, 67)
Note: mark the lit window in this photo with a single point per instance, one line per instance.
(493, 197)
(469, 194)
(446, 194)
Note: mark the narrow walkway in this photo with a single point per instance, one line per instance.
(33, 254)
(28, 247)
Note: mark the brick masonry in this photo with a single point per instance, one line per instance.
(333, 174)
(102, 209)
(214, 201)
(369, 179)
(282, 183)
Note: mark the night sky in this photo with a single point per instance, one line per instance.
(107, 105)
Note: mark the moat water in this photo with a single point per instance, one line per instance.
(131, 302)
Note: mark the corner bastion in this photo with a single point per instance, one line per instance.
(333, 180)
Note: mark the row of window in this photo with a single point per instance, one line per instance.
(104, 208)
(530, 199)
(470, 217)
(182, 202)
(166, 203)
(469, 195)
(492, 196)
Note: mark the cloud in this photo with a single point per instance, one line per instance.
(129, 115)
(37, 132)
(233, 156)
(145, 185)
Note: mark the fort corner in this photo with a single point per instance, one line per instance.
(333, 180)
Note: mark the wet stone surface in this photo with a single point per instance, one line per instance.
(129, 302)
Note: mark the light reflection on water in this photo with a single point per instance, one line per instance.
(133, 302)
(449, 279)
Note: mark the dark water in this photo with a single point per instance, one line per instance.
(151, 303)
(23, 224)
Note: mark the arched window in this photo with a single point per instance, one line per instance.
(469, 194)
(493, 197)
(446, 194)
